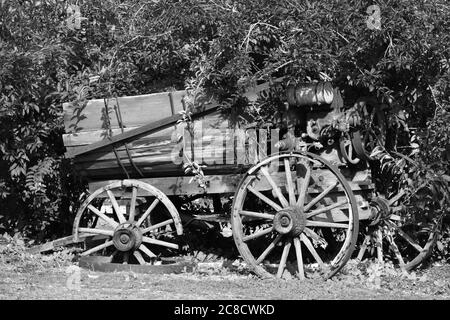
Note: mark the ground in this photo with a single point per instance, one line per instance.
(28, 281)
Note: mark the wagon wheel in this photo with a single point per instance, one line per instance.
(406, 240)
(305, 203)
(347, 150)
(372, 130)
(131, 232)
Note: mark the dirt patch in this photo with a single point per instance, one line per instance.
(55, 276)
(433, 283)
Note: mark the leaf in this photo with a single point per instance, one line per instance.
(439, 245)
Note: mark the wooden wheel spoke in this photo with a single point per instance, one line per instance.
(320, 196)
(405, 236)
(311, 249)
(147, 251)
(133, 205)
(290, 184)
(313, 235)
(126, 257)
(103, 216)
(379, 245)
(97, 231)
(410, 240)
(326, 209)
(116, 207)
(268, 249)
(147, 212)
(303, 190)
(363, 248)
(394, 248)
(284, 256)
(325, 224)
(257, 234)
(274, 186)
(97, 248)
(139, 257)
(257, 214)
(157, 226)
(159, 242)
(264, 198)
(298, 253)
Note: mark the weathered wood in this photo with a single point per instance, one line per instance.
(87, 137)
(214, 121)
(164, 155)
(61, 242)
(135, 111)
(141, 131)
(181, 186)
(227, 183)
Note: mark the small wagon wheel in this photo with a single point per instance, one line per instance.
(132, 232)
(407, 240)
(299, 208)
(372, 131)
(347, 150)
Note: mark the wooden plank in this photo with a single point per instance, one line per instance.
(221, 183)
(87, 137)
(155, 171)
(210, 123)
(181, 186)
(153, 153)
(139, 132)
(135, 111)
(61, 242)
(150, 157)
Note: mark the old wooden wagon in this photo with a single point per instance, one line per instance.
(302, 189)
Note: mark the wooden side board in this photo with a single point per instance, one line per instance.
(96, 125)
(213, 140)
(135, 111)
(166, 159)
(227, 183)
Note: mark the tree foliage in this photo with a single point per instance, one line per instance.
(129, 47)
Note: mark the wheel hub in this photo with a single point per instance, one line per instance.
(290, 221)
(127, 237)
(380, 210)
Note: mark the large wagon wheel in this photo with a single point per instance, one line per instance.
(372, 130)
(406, 240)
(132, 232)
(307, 204)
